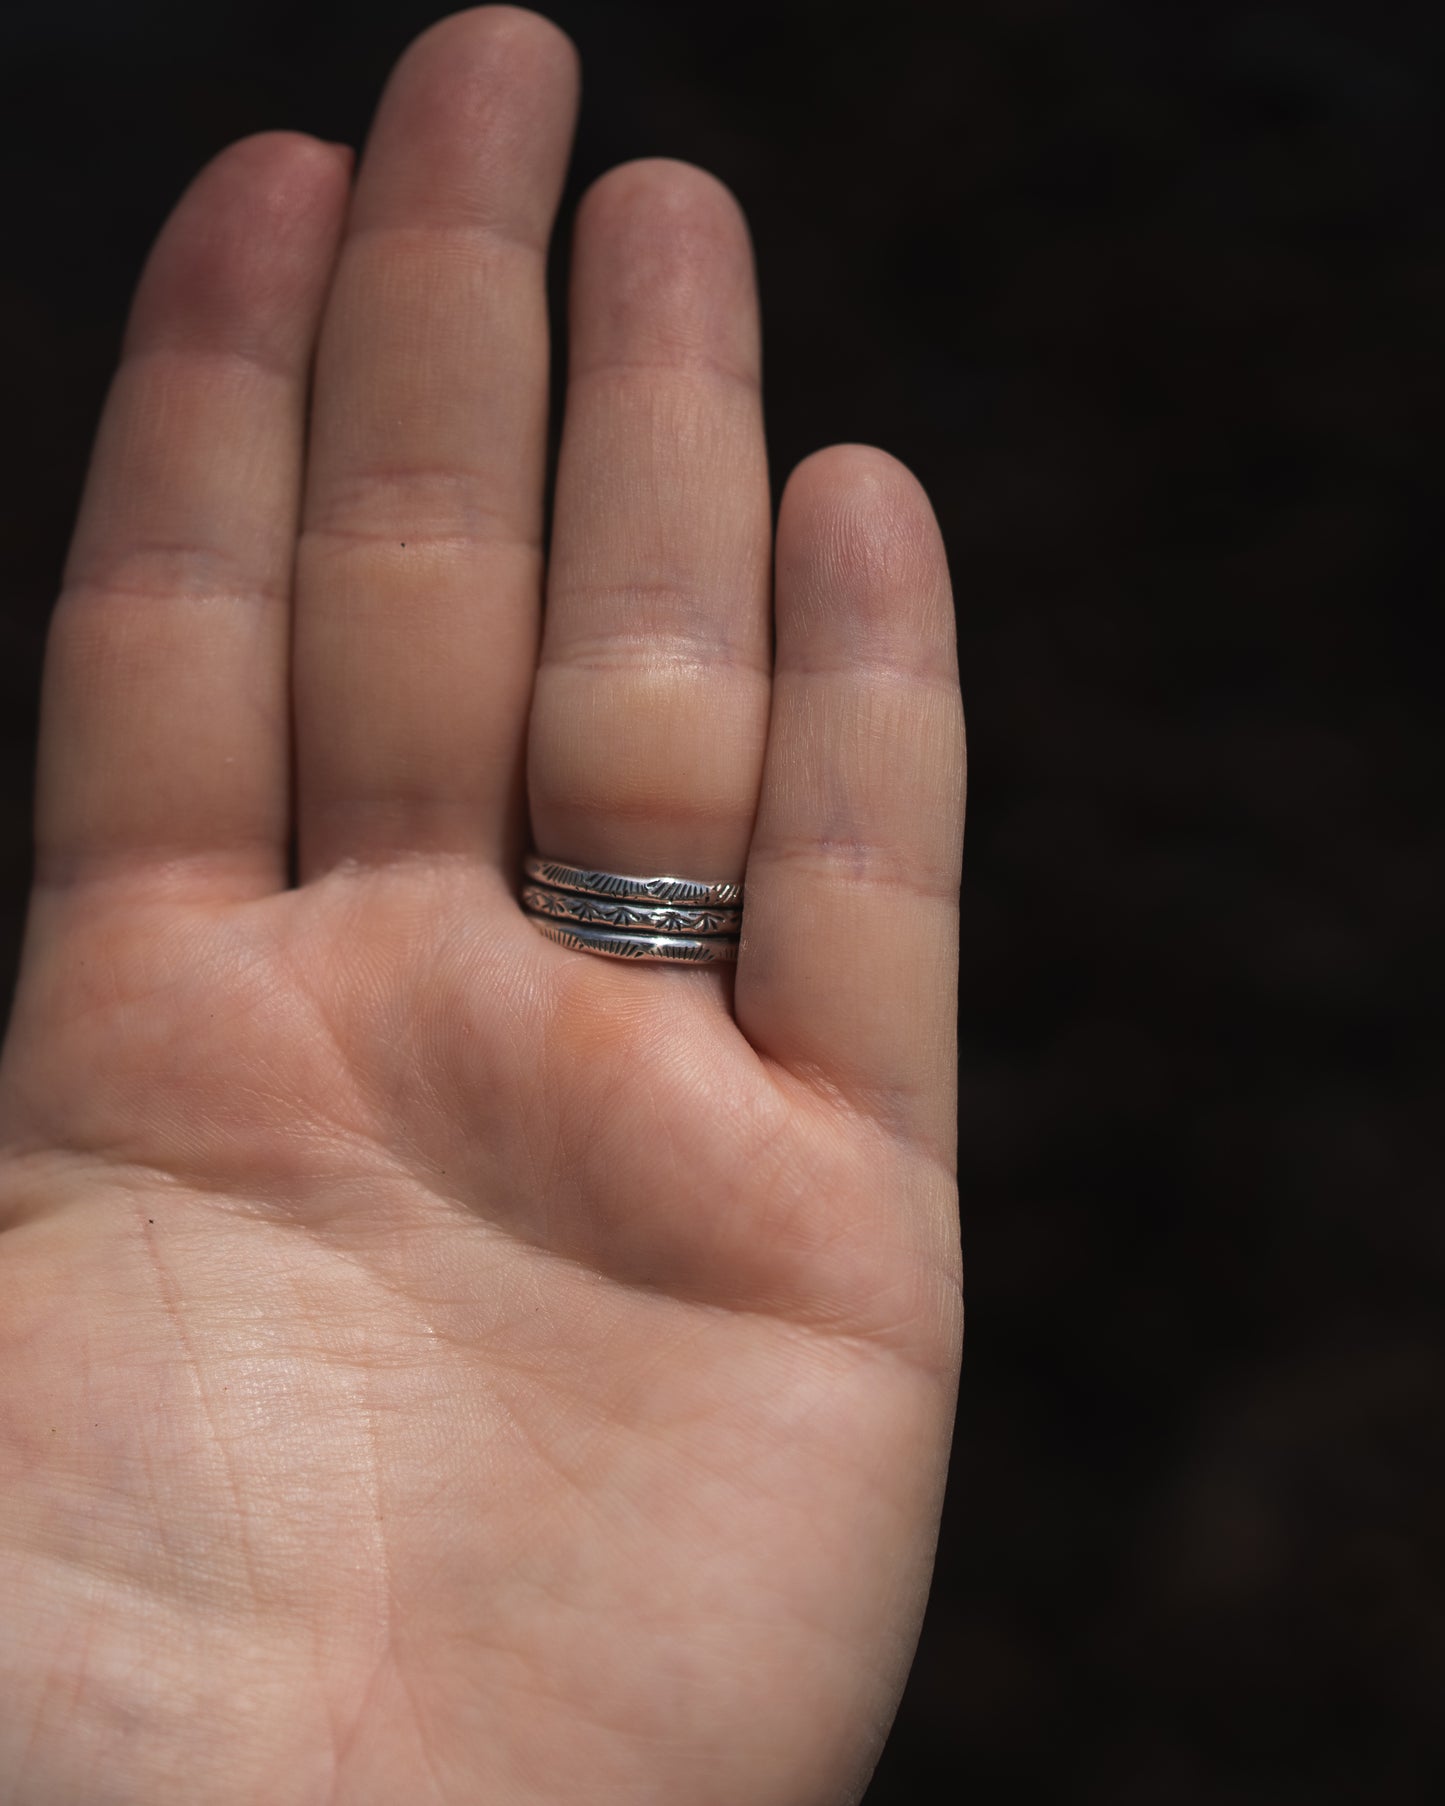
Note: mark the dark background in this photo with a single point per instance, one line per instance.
(1151, 297)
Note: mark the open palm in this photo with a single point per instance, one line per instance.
(438, 1366)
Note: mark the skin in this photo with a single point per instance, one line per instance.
(439, 1366)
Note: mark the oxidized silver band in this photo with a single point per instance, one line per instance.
(651, 918)
(677, 949)
(681, 921)
(641, 890)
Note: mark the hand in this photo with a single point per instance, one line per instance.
(439, 1366)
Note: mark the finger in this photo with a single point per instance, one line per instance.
(650, 710)
(847, 975)
(419, 564)
(164, 737)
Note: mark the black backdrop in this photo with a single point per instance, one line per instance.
(1150, 297)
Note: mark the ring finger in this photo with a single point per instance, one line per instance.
(650, 711)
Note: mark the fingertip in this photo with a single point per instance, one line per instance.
(860, 551)
(858, 476)
(529, 38)
(276, 155)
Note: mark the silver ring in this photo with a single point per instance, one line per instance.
(652, 918)
(558, 873)
(676, 949)
(677, 921)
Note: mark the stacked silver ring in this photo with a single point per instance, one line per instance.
(681, 920)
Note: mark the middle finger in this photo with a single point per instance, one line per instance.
(419, 567)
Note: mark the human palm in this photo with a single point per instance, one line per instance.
(439, 1365)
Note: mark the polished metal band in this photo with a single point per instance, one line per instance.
(678, 921)
(615, 884)
(652, 918)
(676, 949)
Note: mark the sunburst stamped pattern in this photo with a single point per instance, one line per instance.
(561, 876)
(653, 919)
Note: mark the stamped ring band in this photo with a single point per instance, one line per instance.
(614, 884)
(670, 949)
(665, 919)
(652, 918)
